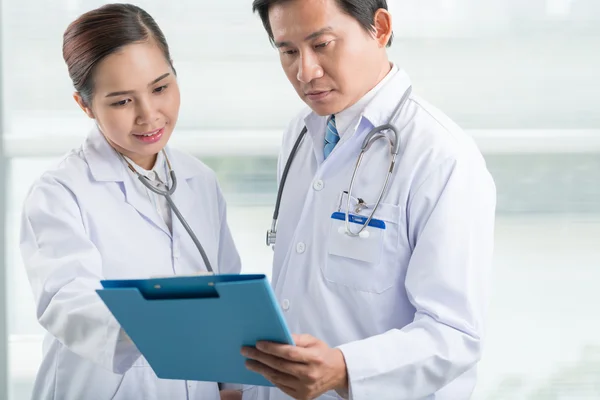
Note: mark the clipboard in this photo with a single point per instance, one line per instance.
(194, 327)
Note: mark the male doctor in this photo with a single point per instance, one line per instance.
(397, 313)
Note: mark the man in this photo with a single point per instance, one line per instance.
(396, 312)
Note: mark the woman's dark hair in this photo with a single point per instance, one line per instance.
(361, 10)
(104, 31)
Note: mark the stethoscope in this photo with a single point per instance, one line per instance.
(374, 135)
(167, 193)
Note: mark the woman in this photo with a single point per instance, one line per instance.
(91, 218)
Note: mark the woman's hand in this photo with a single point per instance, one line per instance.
(231, 395)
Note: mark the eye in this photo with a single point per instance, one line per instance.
(121, 103)
(322, 45)
(290, 52)
(160, 89)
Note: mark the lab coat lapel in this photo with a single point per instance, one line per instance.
(184, 199)
(189, 204)
(141, 203)
(107, 166)
(316, 126)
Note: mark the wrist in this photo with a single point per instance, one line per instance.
(341, 381)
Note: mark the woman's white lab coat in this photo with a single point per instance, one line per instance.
(84, 221)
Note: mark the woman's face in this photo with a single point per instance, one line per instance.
(135, 101)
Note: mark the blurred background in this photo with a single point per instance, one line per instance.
(521, 76)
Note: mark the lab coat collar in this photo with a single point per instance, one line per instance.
(184, 165)
(381, 107)
(353, 113)
(106, 165)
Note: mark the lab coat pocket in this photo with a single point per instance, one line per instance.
(362, 262)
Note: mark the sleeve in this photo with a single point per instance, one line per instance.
(451, 228)
(64, 269)
(229, 259)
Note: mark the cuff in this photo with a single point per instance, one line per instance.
(354, 355)
(125, 353)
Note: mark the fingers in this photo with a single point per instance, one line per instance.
(279, 378)
(284, 351)
(305, 340)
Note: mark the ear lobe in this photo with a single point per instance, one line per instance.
(383, 26)
(87, 110)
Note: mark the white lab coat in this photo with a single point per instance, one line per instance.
(84, 221)
(410, 318)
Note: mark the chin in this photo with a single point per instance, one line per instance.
(320, 108)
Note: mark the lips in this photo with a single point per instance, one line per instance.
(150, 137)
(149, 133)
(318, 94)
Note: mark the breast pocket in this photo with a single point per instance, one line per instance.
(364, 263)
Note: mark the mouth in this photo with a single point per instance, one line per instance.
(150, 136)
(317, 95)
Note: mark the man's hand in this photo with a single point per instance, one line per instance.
(304, 371)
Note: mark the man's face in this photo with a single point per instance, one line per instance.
(329, 58)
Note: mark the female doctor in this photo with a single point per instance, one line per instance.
(90, 217)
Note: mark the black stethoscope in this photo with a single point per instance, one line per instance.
(167, 193)
(375, 134)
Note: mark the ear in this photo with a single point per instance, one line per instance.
(79, 100)
(383, 26)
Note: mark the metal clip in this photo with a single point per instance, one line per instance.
(361, 204)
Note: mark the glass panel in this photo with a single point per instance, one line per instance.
(488, 64)
(534, 63)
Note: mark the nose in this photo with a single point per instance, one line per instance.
(309, 68)
(147, 113)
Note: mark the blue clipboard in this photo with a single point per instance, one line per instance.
(194, 327)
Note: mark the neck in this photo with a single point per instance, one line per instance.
(385, 69)
(146, 162)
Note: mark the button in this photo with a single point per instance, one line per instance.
(300, 247)
(285, 304)
(318, 185)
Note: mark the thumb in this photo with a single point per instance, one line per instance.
(305, 340)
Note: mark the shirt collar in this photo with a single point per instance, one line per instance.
(159, 167)
(346, 117)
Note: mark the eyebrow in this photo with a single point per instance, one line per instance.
(309, 37)
(123, 92)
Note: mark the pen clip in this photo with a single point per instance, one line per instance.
(360, 205)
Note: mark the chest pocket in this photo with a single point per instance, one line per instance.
(365, 264)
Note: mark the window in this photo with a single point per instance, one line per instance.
(522, 77)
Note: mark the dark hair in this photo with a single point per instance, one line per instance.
(104, 31)
(361, 10)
